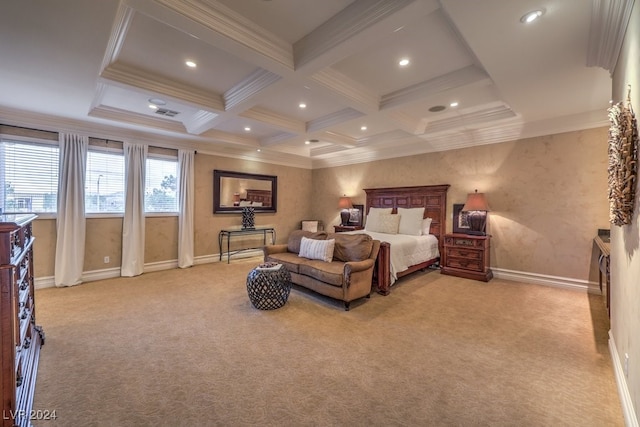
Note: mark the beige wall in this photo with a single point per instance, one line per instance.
(625, 241)
(104, 235)
(547, 196)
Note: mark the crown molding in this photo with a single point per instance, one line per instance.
(254, 83)
(353, 19)
(225, 22)
(486, 115)
(121, 24)
(133, 77)
(333, 119)
(274, 119)
(609, 19)
(199, 122)
(276, 139)
(340, 84)
(462, 77)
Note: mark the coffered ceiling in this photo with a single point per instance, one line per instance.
(97, 66)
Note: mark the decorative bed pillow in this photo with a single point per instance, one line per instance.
(351, 247)
(317, 249)
(383, 223)
(426, 226)
(372, 216)
(293, 244)
(410, 221)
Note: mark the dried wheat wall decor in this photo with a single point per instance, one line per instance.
(623, 161)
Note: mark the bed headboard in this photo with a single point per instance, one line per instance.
(432, 197)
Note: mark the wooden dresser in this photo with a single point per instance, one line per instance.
(466, 256)
(21, 338)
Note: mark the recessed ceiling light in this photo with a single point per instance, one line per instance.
(403, 62)
(363, 128)
(529, 17)
(302, 105)
(157, 101)
(153, 107)
(453, 104)
(258, 150)
(191, 64)
(307, 142)
(247, 129)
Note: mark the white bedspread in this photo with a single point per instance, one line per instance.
(406, 250)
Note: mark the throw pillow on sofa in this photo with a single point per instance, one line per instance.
(351, 247)
(317, 249)
(293, 244)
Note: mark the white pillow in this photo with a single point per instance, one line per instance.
(383, 223)
(410, 221)
(426, 226)
(373, 214)
(317, 249)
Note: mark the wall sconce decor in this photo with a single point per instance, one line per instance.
(345, 204)
(476, 208)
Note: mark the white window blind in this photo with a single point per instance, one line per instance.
(104, 185)
(29, 176)
(161, 186)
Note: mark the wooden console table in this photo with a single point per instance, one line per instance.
(228, 233)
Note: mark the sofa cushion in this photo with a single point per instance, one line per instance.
(351, 247)
(293, 244)
(317, 249)
(288, 259)
(326, 272)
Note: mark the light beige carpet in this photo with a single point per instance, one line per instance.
(186, 348)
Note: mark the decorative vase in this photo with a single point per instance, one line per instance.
(247, 218)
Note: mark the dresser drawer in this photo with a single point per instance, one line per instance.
(464, 253)
(464, 263)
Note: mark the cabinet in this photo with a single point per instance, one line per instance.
(341, 228)
(466, 256)
(21, 338)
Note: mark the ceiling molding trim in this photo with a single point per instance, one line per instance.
(273, 158)
(474, 118)
(609, 19)
(353, 19)
(462, 77)
(254, 83)
(145, 80)
(274, 119)
(339, 139)
(276, 139)
(408, 122)
(348, 88)
(224, 21)
(122, 116)
(121, 24)
(333, 119)
(199, 122)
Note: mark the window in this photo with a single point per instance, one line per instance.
(104, 183)
(161, 186)
(29, 176)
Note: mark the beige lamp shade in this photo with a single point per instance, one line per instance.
(476, 202)
(345, 203)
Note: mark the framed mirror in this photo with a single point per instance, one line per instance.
(234, 190)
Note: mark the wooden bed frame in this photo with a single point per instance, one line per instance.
(433, 198)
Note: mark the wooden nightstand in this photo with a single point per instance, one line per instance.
(341, 228)
(466, 256)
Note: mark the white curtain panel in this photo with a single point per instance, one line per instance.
(135, 156)
(70, 222)
(186, 200)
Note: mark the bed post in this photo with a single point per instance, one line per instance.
(382, 270)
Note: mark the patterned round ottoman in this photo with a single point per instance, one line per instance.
(269, 287)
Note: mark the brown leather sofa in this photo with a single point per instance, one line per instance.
(346, 278)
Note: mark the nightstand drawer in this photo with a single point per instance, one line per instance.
(463, 242)
(465, 253)
(465, 263)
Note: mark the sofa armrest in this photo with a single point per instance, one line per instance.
(274, 249)
(356, 266)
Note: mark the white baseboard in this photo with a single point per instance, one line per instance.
(110, 273)
(546, 280)
(630, 419)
